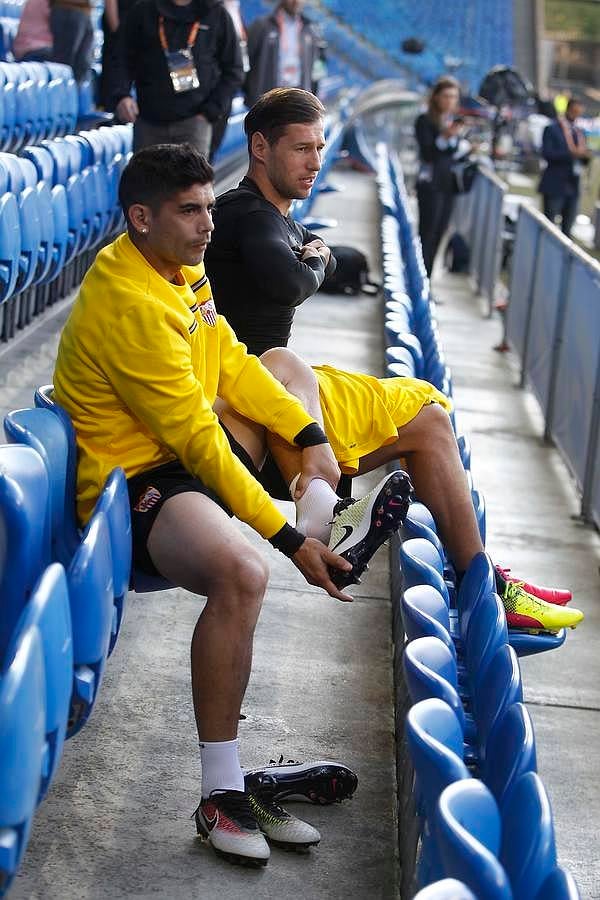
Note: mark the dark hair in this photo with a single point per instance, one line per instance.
(278, 108)
(574, 101)
(442, 84)
(154, 174)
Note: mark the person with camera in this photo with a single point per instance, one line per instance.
(439, 133)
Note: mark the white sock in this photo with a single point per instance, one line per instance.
(221, 770)
(314, 509)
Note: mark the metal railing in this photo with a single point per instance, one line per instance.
(553, 323)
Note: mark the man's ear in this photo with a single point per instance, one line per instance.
(140, 217)
(259, 146)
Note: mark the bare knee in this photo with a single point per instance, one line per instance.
(286, 365)
(435, 427)
(239, 588)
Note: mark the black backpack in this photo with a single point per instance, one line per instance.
(457, 254)
(351, 275)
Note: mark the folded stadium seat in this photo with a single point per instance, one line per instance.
(113, 177)
(112, 142)
(400, 362)
(8, 106)
(559, 885)
(24, 530)
(125, 133)
(45, 432)
(44, 165)
(434, 739)
(510, 754)
(395, 336)
(464, 448)
(31, 234)
(90, 581)
(419, 524)
(400, 317)
(498, 688)
(528, 851)
(114, 503)
(10, 248)
(70, 94)
(487, 632)
(425, 614)
(22, 748)
(447, 889)
(48, 610)
(468, 828)
(478, 581)
(421, 563)
(82, 160)
(479, 507)
(430, 670)
(78, 230)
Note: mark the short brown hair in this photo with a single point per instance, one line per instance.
(278, 108)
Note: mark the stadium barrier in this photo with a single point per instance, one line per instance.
(552, 323)
(478, 218)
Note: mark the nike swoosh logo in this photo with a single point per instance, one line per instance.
(210, 823)
(348, 531)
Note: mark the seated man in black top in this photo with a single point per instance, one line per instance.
(261, 262)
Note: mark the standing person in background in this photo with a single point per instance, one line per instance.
(33, 40)
(72, 35)
(220, 126)
(184, 58)
(438, 133)
(284, 50)
(113, 50)
(566, 153)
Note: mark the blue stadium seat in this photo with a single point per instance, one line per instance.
(492, 694)
(478, 581)
(90, 581)
(487, 632)
(24, 532)
(559, 885)
(48, 610)
(434, 740)
(419, 524)
(528, 850)
(425, 614)
(510, 754)
(421, 564)
(447, 889)
(22, 748)
(45, 432)
(468, 828)
(114, 503)
(10, 245)
(479, 507)
(430, 671)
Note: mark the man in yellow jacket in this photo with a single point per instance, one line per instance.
(142, 361)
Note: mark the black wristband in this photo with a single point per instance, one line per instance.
(310, 436)
(287, 540)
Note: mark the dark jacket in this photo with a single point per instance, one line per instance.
(263, 54)
(253, 263)
(559, 177)
(216, 54)
(437, 162)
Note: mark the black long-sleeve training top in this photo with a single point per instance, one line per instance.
(254, 267)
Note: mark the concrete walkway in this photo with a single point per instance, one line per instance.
(116, 822)
(531, 502)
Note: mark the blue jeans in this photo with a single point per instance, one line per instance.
(73, 37)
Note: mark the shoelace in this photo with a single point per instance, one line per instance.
(514, 591)
(340, 506)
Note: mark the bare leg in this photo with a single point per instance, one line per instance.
(194, 544)
(433, 462)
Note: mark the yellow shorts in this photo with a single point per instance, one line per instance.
(362, 413)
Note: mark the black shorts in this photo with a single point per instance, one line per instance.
(149, 490)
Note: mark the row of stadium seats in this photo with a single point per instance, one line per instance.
(37, 101)
(460, 719)
(63, 596)
(473, 40)
(58, 204)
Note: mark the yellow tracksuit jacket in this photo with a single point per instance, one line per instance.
(139, 366)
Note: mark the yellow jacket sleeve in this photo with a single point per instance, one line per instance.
(149, 364)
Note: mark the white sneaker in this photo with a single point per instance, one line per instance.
(360, 527)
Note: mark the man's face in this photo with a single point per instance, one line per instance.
(292, 164)
(179, 231)
(575, 111)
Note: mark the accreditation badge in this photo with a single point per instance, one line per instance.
(182, 70)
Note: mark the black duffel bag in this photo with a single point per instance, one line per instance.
(351, 275)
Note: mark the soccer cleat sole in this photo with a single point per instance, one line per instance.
(385, 520)
(291, 847)
(322, 783)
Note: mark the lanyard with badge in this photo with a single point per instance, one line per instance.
(180, 63)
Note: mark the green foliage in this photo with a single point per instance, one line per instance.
(570, 18)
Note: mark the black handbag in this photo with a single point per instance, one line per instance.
(463, 176)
